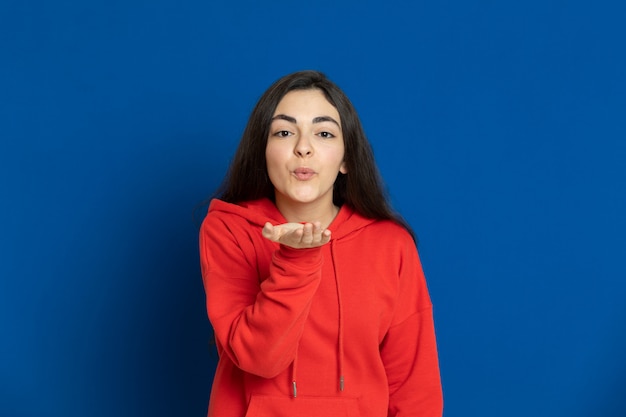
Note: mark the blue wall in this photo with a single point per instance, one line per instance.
(499, 128)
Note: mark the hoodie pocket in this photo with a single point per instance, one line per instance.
(269, 406)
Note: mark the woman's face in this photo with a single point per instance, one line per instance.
(305, 150)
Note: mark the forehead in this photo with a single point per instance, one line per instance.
(306, 104)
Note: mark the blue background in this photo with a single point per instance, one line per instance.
(499, 128)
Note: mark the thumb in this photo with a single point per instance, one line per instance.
(268, 231)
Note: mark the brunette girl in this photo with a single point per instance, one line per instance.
(314, 286)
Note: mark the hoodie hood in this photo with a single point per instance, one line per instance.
(258, 212)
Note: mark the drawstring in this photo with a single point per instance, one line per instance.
(340, 306)
(294, 366)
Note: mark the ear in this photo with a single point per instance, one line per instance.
(342, 168)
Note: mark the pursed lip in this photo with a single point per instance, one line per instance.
(303, 173)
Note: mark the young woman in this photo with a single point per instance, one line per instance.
(314, 286)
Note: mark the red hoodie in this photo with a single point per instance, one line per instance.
(343, 330)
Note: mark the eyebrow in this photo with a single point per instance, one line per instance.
(318, 119)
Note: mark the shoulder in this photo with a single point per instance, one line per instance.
(388, 231)
(350, 225)
(381, 241)
(231, 232)
(226, 221)
(220, 219)
(391, 228)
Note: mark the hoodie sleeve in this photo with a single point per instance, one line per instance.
(257, 323)
(409, 350)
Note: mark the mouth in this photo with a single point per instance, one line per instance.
(303, 174)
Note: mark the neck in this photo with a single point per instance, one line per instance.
(308, 212)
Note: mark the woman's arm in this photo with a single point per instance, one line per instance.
(257, 322)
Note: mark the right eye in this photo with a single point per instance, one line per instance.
(282, 133)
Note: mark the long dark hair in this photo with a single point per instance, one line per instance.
(361, 188)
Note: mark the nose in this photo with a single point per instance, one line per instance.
(303, 147)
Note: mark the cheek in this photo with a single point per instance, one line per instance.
(274, 161)
(271, 156)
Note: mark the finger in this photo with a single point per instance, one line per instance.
(317, 232)
(268, 231)
(307, 234)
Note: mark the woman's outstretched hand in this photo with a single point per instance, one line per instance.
(297, 235)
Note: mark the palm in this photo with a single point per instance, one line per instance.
(297, 235)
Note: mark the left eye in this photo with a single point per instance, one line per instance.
(326, 135)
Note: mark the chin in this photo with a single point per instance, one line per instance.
(303, 196)
(304, 200)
